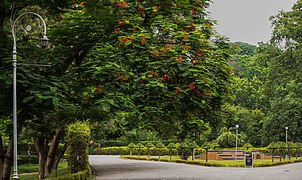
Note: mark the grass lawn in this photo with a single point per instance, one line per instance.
(30, 171)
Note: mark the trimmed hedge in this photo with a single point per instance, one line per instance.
(215, 164)
(77, 151)
(124, 150)
(125, 143)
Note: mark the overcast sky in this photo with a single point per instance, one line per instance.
(247, 20)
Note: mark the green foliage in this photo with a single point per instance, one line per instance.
(168, 75)
(27, 159)
(227, 138)
(160, 145)
(298, 145)
(131, 145)
(206, 145)
(237, 163)
(193, 145)
(291, 145)
(149, 145)
(215, 145)
(243, 48)
(283, 84)
(139, 145)
(123, 150)
(183, 145)
(78, 140)
(171, 146)
(247, 146)
(282, 145)
(273, 145)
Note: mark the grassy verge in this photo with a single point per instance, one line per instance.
(30, 171)
(221, 163)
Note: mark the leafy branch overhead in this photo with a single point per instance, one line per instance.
(162, 57)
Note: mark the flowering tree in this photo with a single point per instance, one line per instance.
(162, 64)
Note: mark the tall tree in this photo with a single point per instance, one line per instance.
(163, 66)
(284, 76)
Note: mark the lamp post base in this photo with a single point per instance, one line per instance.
(15, 177)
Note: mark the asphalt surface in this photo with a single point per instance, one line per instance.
(112, 167)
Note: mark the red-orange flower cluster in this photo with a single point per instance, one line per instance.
(179, 59)
(100, 89)
(194, 11)
(165, 77)
(192, 86)
(178, 90)
(195, 61)
(143, 41)
(122, 4)
(141, 11)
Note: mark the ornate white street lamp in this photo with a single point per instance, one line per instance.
(44, 41)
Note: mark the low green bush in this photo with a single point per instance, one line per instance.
(153, 159)
(78, 136)
(28, 159)
(123, 150)
(180, 161)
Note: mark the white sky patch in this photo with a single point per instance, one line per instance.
(247, 20)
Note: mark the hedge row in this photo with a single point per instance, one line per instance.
(124, 150)
(213, 164)
(125, 143)
(277, 163)
(180, 161)
(81, 175)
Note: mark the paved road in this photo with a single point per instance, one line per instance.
(112, 167)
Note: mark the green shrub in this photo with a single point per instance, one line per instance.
(180, 161)
(77, 152)
(112, 151)
(153, 159)
(113, 143)
(28, 159)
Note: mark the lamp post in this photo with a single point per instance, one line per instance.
(44, 41)
(237, 126)
(286, 128)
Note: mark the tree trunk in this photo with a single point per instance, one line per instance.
(296, 153)
(206, 155)
(193, 153)
(41, 148)
(148, 153)
(59, 156)
(1, 156)
(273, 155)
(53, 152)
(8, 161)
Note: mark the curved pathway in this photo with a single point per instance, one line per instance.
(112, 167)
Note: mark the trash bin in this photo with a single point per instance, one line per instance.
(248, 159)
